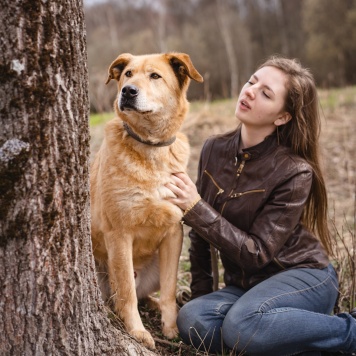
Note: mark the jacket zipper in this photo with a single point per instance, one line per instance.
(237, 195)
(278, 263)
(241, 167)
(220, 190)
(238, 173)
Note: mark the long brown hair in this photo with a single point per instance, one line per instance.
(301, 134)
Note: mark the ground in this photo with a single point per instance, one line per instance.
(338, 147)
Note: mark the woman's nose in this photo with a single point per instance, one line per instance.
(250, 91)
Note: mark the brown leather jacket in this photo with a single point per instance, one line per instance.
(250, 211)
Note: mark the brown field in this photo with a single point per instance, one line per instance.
(338, 146)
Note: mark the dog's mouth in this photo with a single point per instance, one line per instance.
(128, 105)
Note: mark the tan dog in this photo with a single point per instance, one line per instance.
(136, 232)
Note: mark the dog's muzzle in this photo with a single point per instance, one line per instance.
(128, 97)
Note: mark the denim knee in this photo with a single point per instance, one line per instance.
(200, 325)
(190, 327)
(239, 330)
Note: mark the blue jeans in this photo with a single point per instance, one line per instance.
(287, 314)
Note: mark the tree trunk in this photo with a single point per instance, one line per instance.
(49, 300)
(223, 16)
(282, 19)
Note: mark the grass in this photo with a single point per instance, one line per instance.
(344, 259)
(333, 99)
(99, 119)
(338, 144)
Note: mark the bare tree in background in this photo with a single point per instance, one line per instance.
(281, 19)
(223, 16)
(161, 26)
(49, 300)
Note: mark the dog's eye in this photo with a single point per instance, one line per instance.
(128, 74)
(155, 76)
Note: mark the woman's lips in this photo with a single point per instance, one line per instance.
(245, 104)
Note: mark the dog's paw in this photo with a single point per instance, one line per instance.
(170, 332)
(144, 337)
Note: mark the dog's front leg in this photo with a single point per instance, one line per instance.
(169, 253)
(122, 283)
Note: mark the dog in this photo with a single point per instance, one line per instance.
(136, 232)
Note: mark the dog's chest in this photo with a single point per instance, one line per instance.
(144, 204)
(134, 184)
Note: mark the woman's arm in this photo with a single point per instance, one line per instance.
(270, 229)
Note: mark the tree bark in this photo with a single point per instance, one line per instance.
(49, 299)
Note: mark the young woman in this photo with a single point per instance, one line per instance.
(260, 200)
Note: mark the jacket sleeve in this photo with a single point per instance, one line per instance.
(270, 230)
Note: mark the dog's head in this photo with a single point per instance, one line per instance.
(152, 91)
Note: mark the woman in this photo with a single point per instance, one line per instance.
(260, 200)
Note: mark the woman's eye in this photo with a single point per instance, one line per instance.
(249, 82)
(266, 95)
(128, 74)
(155, 76)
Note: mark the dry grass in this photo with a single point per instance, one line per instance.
(338, 143)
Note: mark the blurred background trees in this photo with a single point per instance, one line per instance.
(226, 39)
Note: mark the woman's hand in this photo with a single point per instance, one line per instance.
(184, 189)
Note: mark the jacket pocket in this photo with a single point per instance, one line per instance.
(237, 195)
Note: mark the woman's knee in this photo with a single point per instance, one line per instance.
(189, 326)
(190, 321)
(239, 329)
(200, 326)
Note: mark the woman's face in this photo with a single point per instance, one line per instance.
(262, 99)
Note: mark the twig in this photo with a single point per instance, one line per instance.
(178, 345)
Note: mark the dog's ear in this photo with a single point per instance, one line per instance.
(118, 66)
(183, 67)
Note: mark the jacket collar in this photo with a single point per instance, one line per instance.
(254, 152)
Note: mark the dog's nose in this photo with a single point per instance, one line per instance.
(129, 91)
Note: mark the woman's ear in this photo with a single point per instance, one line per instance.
(283, 119)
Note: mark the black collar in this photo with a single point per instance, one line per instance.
(139, 139)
